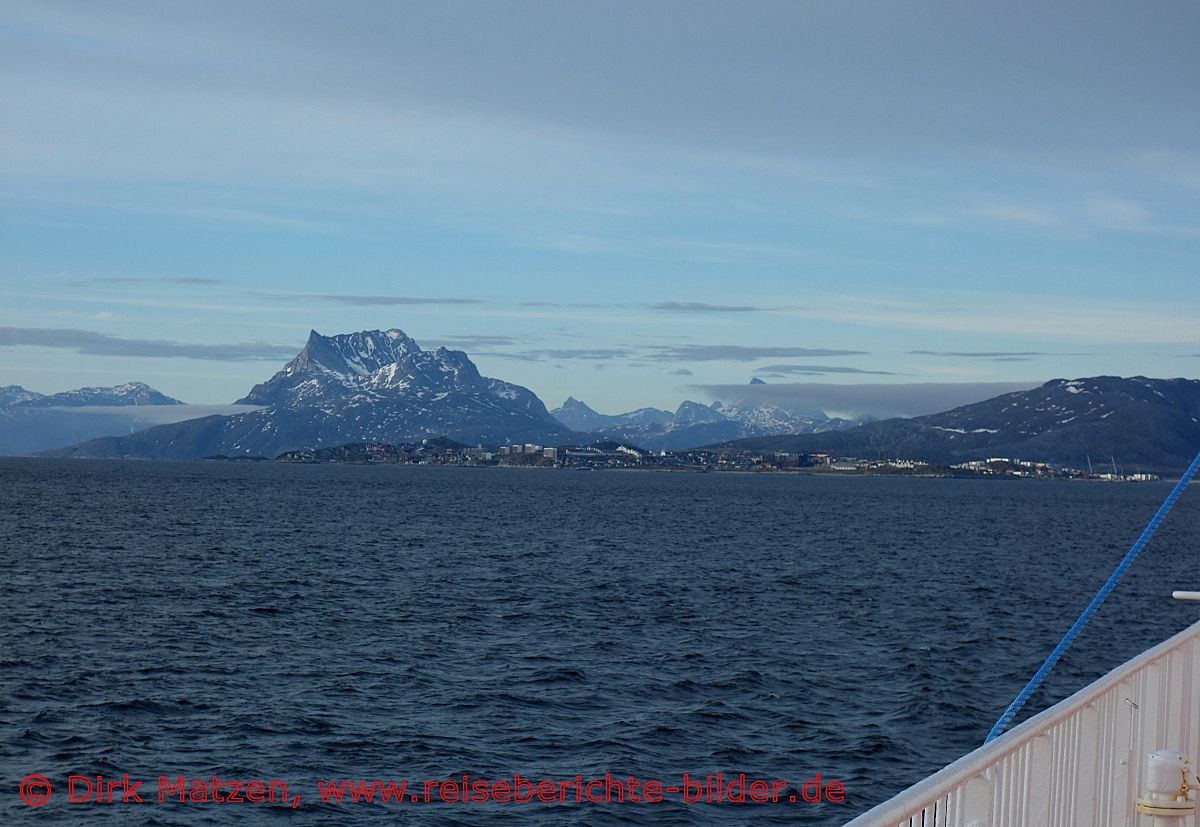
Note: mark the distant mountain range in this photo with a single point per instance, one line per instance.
(694, 424)
(372, 386)
(1139, 423)
(15, 397)
(381, 387)
(31, 421)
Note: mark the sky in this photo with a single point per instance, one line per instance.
(630, 203)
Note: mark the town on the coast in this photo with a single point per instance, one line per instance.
(615, 456)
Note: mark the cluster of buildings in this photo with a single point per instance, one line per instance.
(610, 455)
(517, 453)
(1003, 466)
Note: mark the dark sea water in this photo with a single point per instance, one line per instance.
(311, 623)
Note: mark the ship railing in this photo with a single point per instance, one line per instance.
(1080, 762)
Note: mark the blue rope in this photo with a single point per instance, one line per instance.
(1082, 620)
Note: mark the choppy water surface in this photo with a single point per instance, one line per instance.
(319, 622)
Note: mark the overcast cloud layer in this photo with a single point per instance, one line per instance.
(660, 194)
(102, 344)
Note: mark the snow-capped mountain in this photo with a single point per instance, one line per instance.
(372, 366)
(770, 418)
(11, 395)
(131, 393)
(370, 386)
(693, 424)
(31, 421)
(1141, 423)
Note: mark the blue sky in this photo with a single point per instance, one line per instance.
(630, 203)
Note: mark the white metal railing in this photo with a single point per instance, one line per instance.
(1078, 763)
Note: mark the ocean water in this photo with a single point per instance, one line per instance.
(324, 623)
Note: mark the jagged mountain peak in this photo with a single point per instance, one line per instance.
(380, 365)
(358, 354)
(342, 365)
(578, 416)
(573, 404)
(693, 413)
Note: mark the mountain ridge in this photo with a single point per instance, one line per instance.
(128, 393)
(381, 386)
(694, 424)
(1142, 423)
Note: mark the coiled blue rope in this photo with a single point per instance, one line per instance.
(1083, 618)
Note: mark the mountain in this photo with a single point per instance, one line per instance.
(31, 421)
(692, 424)
(131, 393)
(579, 417)
(11, 395)
(1140, 423)
(371, 386)
(689, 414)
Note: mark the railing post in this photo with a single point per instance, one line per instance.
(978, 800)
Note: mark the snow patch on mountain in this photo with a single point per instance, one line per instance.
(11, 395)
(130, 393)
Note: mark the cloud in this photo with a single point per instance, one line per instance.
(1012, 214)
(589, 305)
(814, 370)
(1103, 214)
(1116, 214)
(242, 216)
(880, 400)
(474, 341)
(1029, 316)
(1172, 167)
(596, 353)
(691, 353)
(193, 280)
(993, 355)
(160, 414)
(520, 357)
(701, 307)
(739, 353)
(591, 354)
(912, 80)
(983, 354)
(573, 243)
(369, 301)
(103, 344)
(687, 353)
